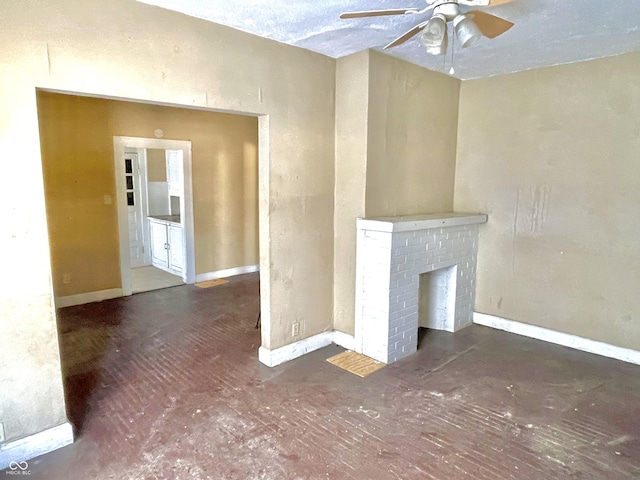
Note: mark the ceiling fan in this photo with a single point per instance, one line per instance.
(468, 26)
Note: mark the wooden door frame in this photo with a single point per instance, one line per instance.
(186, 206)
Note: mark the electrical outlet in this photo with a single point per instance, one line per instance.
(1, 432)
(66, 278)
(295, 329)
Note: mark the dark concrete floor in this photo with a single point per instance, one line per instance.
(167, 385)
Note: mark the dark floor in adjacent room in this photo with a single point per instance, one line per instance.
(167, 385)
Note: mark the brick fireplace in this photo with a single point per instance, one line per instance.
(412, 271)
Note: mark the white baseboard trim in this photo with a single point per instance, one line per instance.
(559, 338)
(344, 340)
(89, 297)
(35, 445)
(229, 272)
(271, 358)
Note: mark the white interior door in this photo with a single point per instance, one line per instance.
(135, 212)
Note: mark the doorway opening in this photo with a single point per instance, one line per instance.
(89, 187)
(155, 213)
(154, 199)
(148, 197)
(88, 221)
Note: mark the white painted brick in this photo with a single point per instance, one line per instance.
(410, 281)
(413, 241)
(396, 307)
(401, 313)
(411, 295)
(399, 260)
(398, 242)
(411, 288)
(414, 257)
(413, 308)
(397, 276)
(391, 306)
(394, 317)
(406, 270)
(412, 317)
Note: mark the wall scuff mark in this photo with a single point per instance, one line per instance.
(534, 201)
(539, 209)
(48, 58)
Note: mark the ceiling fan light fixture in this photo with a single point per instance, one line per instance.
(434, 35)
(466, 30)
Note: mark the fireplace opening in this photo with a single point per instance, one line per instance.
(437, 299)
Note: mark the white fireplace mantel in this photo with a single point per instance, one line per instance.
(393, 255)
(410, 223)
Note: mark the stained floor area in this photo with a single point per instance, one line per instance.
(167, 385)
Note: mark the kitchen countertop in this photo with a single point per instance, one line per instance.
(166, 218)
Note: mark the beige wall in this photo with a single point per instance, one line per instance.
(552, 156)
(77, 153)
(126, 49)
(390, 158)
(352, 107)
(412, 130)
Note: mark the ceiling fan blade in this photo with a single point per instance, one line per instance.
(403, 38)
(490, 25)
(378, 13)
(483, 3)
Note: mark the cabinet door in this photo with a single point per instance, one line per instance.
(176, 254)
(159, 244)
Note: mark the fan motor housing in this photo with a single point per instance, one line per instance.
(447, 10)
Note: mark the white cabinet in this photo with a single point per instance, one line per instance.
(176, 248)
(174, 172)
(159, 244)
(167, 245)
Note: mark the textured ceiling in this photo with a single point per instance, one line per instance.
(546, 32)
